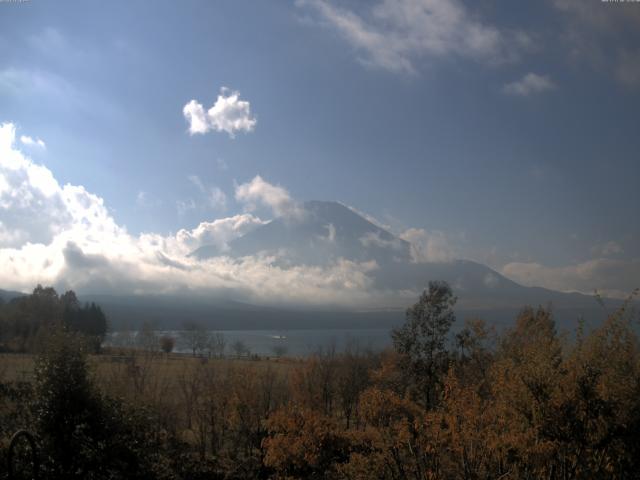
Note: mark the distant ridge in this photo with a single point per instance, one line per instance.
(328, 231)
(8, 295)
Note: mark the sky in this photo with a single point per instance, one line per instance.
(500, 132)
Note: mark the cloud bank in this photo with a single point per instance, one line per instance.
(612, 277)
(63, 235)
(228, 114)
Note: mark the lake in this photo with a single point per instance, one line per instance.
(294, 342)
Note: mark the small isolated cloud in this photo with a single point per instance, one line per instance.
(428, 246)
(530, 84)
(229, 114)
(259, 191)
(30, 142)
(396, 34)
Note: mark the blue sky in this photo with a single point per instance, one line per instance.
(504, 133)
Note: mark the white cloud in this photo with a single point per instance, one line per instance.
(428, 246)
(259, 191)
(219, 232)
(229, 114)
(29, 141)
(65, 236)
(610, 276)
(529, 84)
(395, 34)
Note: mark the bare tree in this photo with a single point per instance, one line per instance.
(217, 344)
(195, 337)
(240, 348)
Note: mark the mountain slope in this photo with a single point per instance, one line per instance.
(325, 232)
(329, 231)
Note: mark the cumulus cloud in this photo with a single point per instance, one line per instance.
(395, 34)
(275, 197)
(228, 114)
(29, 141)
(529, 84)
(428, 246)
(219, 232)
(63, 235)
(610, 276)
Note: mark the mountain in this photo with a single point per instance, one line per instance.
(8, 295)
(327, 231)
(320, 234)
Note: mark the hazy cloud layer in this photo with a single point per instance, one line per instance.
(395, 34)
(229, 114)
(613, 277)
(596, 33)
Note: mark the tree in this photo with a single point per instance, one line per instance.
(195, 337)
(240, 348)
(422, 339)
(217, 344)
(167, 343)
(68, 408)
(146, 338)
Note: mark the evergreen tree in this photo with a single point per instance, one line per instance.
(422, 339)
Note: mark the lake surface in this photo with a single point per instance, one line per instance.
(295, 342)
